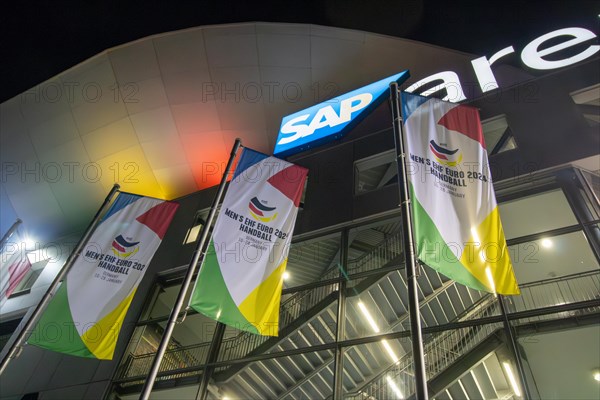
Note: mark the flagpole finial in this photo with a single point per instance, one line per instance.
(394, 84)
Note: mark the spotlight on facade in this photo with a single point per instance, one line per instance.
(596, 374)
(286, 276)
(547, 243)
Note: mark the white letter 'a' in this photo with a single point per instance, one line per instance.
(450, 82)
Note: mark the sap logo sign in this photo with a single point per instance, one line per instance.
(325, 116)
(331, 120)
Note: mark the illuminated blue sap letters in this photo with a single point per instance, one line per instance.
(332, 119)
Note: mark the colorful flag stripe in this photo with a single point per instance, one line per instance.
(240, 281)
(92, 302)
(457, 225)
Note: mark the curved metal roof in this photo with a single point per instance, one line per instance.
(160, 114)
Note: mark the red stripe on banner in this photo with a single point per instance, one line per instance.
(464, 120)
(159, 217)
(17, 272)
(256, 210)
(118, 246)
(290, 182)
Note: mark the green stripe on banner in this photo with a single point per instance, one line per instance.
(433, 250)
(56, 331)
(211, 286)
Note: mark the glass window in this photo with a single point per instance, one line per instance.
(375, 245)
(568, 373)
(163, 302)
(369, 368)
(592, 197)
(379, 304)
(588, 99)
(192, 233)
(7, 329)
(306, 319)
(29, 278)
(303, 376)
(313, 260)
(375, 172)
(536, 213)
(497, 134)
(552, 257)
(385, 369)
(188, 347)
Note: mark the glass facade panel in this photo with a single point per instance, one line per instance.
(375, 172)
(368, 369)
(536, 213)
(163, 302)
(591, 198)
(552, 257)
(379, 303)
(188, 347)
(302, 376)
(568, 373)
(374, 246)
(311, 324)
(472, 361)
(313, 260)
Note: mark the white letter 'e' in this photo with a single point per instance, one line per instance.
(533, 57)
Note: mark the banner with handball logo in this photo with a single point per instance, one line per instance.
(457, 225)
(241, 278)
(85, 316)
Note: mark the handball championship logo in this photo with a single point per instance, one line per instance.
(445, 156)
(260, 211)
(123, 248)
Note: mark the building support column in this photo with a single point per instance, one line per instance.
(213, 354)
(338, 372)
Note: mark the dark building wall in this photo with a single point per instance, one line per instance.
(548, 127)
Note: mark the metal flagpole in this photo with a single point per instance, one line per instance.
(514, 348)
(10, 232)
(409, 253)
(13, 352)
(194, 262)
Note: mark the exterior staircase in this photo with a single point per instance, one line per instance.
(377, 370)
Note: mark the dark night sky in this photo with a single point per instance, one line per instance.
(40, 41)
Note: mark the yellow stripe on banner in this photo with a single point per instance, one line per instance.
(487, 258)
(101, 338)
(261, 307)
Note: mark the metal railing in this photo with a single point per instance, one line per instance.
(385, 252)
(291, 309)
(556, 291)
(443, 349)
(175, 358)
(300, 302)
(232, 348)
(294, 307)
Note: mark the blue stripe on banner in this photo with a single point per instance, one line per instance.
(249, 158)
(410, 102)
(122, 201)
